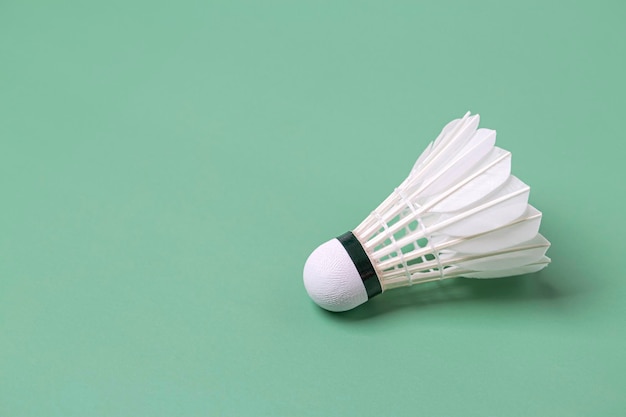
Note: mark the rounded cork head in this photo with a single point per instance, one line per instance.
(332, 279)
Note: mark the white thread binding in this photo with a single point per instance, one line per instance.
(414, 207)
(392, 239)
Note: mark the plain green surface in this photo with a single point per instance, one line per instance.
(165, 170)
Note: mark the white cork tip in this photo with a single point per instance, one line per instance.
(332, 280)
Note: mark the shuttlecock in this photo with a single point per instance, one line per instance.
(459, 213)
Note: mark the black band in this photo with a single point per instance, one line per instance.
(362, 263)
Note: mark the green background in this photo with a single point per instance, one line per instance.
(166, 168)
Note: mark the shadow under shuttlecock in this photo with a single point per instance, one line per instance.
(530, 287)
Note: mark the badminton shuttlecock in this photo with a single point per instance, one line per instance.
(459, 213)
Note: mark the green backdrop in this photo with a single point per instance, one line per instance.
(166, 168)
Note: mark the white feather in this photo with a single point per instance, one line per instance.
(452, 169)
(509, 272)
(459, 211)
(486, 177)
(519, 230)
(497, 209)
(447, 147)
(513, 257)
